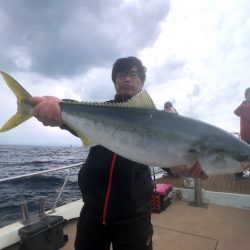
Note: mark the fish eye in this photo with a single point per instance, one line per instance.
(192, 150)
(242, 158)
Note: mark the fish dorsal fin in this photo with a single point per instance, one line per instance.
(141, 100)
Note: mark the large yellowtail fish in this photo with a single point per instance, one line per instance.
(137, 131)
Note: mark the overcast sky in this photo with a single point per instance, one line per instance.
(197, 55)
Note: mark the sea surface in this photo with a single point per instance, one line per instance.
(19, 160)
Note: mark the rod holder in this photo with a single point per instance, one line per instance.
(41, 206)
(25, 212)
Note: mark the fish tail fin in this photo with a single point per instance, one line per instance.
(23, 105)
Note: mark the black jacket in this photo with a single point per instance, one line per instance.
(131, 187)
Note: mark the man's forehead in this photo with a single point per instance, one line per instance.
(133, 69)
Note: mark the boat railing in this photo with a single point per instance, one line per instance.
(41, 172)
(69, 168)
(198, 185)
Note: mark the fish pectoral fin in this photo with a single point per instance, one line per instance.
(213, 163)
(191, 157)
(213, 158)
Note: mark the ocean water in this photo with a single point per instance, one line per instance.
(19, 160)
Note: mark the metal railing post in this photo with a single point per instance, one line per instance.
(24, 206)
(41, 207)
(61, 191)
(25, 213)
(198, 192)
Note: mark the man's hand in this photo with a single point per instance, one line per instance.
(47, 110)
(195, 171)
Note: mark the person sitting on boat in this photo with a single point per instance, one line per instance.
(243, 111)
(116, 191)
(168, 107)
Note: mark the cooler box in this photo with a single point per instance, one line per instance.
(46, 234)
(162, 197)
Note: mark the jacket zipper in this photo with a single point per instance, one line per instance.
(111, 170)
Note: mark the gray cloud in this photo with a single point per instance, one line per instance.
(171, 70)
(60, 37)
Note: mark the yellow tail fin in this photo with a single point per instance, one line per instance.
(23, 105)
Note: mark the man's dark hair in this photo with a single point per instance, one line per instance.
(247, 92)
(124, 65)
(168, 105)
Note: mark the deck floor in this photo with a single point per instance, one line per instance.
(185, 227)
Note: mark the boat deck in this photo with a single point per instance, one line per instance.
(185, 227)
(182, 226)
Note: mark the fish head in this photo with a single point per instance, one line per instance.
(224, 158)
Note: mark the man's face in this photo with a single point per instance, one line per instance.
(128, 83)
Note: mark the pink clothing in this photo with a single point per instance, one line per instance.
(243, 111)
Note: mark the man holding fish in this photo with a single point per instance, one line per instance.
(121, 213)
